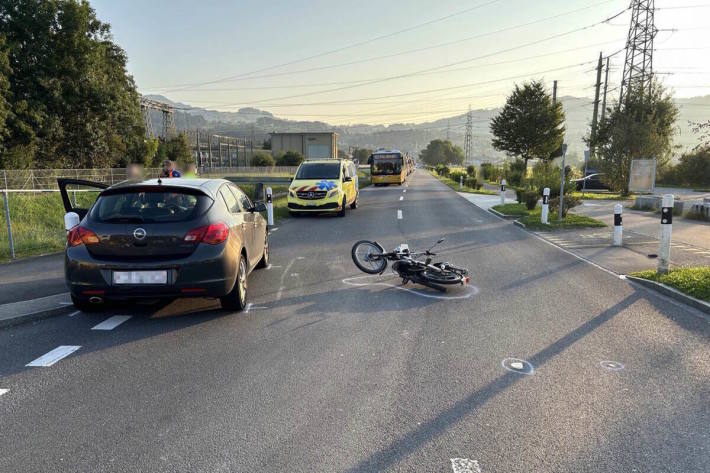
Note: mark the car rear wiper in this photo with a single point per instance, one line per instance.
(124, 220)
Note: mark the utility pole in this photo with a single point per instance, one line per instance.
(595, 113)
(606, 86)
(554, 92)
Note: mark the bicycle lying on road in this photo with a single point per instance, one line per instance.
(371, 258)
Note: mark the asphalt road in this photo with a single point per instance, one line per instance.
(330, 370)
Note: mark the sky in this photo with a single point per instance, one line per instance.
(391, 61)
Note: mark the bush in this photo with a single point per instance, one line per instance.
(569, 203)
(261, 159)
(471, 182)
(530, 198)
(471, 170)
(515, 173)
(546, 174)
(290, 158)
(442, 170)
(490, 172)
(456, 176)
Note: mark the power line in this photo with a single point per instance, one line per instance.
(387, 56)
(354, 45)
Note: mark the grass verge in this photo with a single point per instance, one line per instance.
(603, 196)
(517, 210)
(692, 281)
(455, 186)
(532, 221)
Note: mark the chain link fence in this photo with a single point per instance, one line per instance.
(33, 212)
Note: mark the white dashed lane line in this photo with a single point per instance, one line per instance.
(111, 323)
(465, 465)
(3, 391)
(404, 190)
(399, 215)
(76, 312)
(401, 197)
(48, 359)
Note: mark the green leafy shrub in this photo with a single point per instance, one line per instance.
(515, 172)
(530, 198)
(570, 202)
(471, 182)
(471, 170)
(290, 158)
(262, 159)
(456, 176)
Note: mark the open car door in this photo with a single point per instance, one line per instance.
(78, 195)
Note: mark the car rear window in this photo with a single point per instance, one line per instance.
(149, 206)
(319, 171)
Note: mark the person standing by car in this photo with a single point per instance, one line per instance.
(191, 171)
(169, 169)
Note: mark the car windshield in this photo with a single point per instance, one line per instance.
(319, 171)
(136, 206)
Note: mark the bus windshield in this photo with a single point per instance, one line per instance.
(386, 164)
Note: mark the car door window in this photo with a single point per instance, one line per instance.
(243, 199)
(230, 200)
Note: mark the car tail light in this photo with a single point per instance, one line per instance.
(81, 235)
(212, 234)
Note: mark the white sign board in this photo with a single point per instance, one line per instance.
(642, 177)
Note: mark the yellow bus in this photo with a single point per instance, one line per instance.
(388, 167)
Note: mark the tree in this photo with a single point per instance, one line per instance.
(175, 149)
(361, 155)
(441, 152)
(4, 90)
(342, 154)
(529, 126)
(71, 101)
(703, 130)
(642, 128)
(290, 158)
(261, 158)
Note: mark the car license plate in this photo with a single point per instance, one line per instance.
(140, 277)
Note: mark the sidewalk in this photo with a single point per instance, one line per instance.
(486, 201)
(32, 278)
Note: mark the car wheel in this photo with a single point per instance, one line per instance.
(264, 261)
(342, 208)
(84, 305)
(354, 204)
(237, 299)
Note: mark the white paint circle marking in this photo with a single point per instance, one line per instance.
(470, 291)
(611, 365)
(516, 365)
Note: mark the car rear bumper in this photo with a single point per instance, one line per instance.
(209, 272)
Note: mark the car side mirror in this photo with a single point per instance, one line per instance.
(259, 207)
(71, 220)
(347, 179)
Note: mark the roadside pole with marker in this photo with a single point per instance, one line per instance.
(545, 205)
(502, 191)
(618, 229)
(460, 183)
(664, 244)
(269, 208)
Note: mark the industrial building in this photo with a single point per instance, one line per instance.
(317, 145)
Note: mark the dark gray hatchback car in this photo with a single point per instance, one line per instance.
(154, 239)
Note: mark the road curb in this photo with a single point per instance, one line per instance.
(519, 223)
(502, 215)
(42, 314)
(672, 293)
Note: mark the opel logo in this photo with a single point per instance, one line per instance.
(139, 233)
(311, 195)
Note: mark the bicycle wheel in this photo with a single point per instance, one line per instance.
(367, 256)
(443, 277)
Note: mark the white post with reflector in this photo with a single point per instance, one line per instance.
(618, 228)
(460, 183)
(664, 244)
(269, 208)
(503, 183)
(545, 205)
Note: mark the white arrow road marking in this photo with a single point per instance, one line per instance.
(3, 391)
(111, 323)
(465, 465)
(399, 215)
(74, 313)
(48, 359)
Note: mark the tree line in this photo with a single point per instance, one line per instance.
(66, 99)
